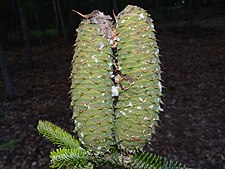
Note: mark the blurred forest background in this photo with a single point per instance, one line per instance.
(36, 39)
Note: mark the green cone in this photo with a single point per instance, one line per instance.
(138, 55)
(91, 85)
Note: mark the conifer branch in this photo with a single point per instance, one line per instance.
(70, 158)
(152, 161)
(57, 135)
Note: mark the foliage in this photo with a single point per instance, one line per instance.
(152, 161)
(71, 154)
(56, 135)
(70, 158)
(77, 157)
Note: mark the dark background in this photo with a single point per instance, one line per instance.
(36, 45)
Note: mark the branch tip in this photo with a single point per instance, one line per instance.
(82, 15)
(114, 15)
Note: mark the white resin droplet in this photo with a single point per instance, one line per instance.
(111, 41)
(160, 109)
(158, 100)
(146, 118)
(123, 21)
(141, 16)
(101, 45)
(160, 86)
(157, 52)
(139, 107)
(123, 113)
(144, 68)
(94, 58)
(130, 104)
(151, 107)
(115, 91)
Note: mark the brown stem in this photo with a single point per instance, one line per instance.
(82, 15)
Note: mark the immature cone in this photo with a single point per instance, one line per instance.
(91, 85)
(138, 55)
(116, 86)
